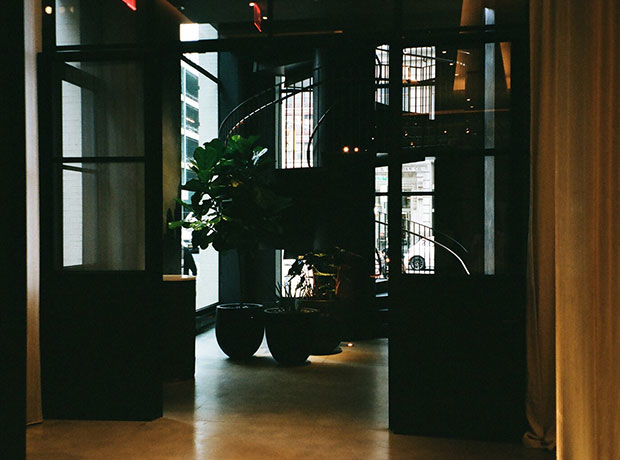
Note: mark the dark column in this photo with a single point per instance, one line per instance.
(343, 100)
(13, 236)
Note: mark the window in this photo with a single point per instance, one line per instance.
(87, 22)
(199, 105)
(419, 80)
(296, 123)
(191, 119)
(382, 74)
(191, 85)
(418, 185)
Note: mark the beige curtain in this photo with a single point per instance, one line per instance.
(575, 250)
(32, 39)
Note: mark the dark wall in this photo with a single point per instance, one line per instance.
(13, 236)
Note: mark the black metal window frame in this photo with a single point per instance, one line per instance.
(396, 157)
(51, 75)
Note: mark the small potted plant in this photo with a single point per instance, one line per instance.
(234, 206)
(290, 327)
(331, 281)
(316, 283)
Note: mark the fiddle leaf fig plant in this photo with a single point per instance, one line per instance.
(316, 275)
(234, 204)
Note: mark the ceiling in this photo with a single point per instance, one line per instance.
(236, 16)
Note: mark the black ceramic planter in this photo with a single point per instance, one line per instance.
(329, 329)
(290, 334)
(239, 329)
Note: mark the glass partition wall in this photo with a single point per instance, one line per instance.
(101, 143)
(454, 154)
(455, 212)
(199, 124)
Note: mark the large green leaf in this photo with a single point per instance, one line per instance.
(207, 155)
(217, 145)
(195, 185)
(200, 157)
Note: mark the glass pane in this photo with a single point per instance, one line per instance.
(450, 15)
(87, 22)
(191, 118)
(419, 70)
(382, 74)
(199, 124)
(191, 85)
(103, 216)
(199, 103)
(418, 240)
(381, 230)
(456, 97)
(381, 179)
(77, 124)
(381, 235)
(190, 146)
(472, 213)
(296, 116)
(193, 31)
(207, 276)
(102, 110)
(419, 176)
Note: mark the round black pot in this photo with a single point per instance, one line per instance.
(290, 334)
(329, 328)
(239, 329)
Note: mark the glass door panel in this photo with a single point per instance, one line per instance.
(103, 216)
(462, 198)
(199, 124)
(100, 166)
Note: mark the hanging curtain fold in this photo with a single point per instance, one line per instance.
(575, 246)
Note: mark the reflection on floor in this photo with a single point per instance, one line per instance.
(335, 407)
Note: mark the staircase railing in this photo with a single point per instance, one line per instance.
(257, 103)
(427, 234)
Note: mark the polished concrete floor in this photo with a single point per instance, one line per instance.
(334, 407)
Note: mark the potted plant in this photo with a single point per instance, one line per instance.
(234, 206)
(316, 282)
(330, 278)
(290, 327)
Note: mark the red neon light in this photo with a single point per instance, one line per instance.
(131, 4)
(258, 17)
